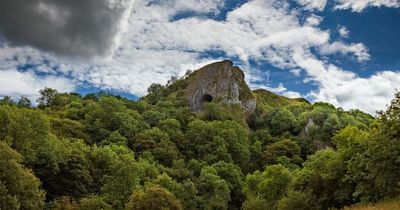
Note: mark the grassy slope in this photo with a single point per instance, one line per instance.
(267, 100)
(382, 205)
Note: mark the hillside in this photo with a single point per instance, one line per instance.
(382, 205)
(222, 85)
(203, 141)
(268, 100)
(225, 83)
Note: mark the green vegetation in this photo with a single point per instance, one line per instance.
(382, 205)
(268, 100)
(102, 151)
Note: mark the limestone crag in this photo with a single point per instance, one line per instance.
(220, 82)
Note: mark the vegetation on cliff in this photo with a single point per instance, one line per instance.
(102, 151)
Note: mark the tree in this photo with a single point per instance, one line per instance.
(154, 88)
(66, 128)
(65, 203)
(7, 100)
(64, 99)
(185, 191)
(74, 111)
(173, 128)
(285, 152)
(280, 120)
(233, 176)
(263, 189)
(371, 156)
(214, 191)
(153, 117)
(24, 102)
(352, 145)
(380, 158)
(215, 141)
(256, 119)
(148, 139)
(166, 152)
(331, 125)
(166, 182)
(295, 200)
(322, 177)
(263, 136)
(255, 157)
(116, 138)
(19, 188)
(116, 173)
(109, 115)
(73, 175)
(47, 97)
(94, 203)
(156, 93)
(391, 117)
(348, 139)
(27, 132)
(153, 198)
(107, 152)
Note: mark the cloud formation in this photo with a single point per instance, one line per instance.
(369, 94)
(70, 28)
(155, 40)
(343, 31)
(29, 84)
(313, 4)
(360, 5)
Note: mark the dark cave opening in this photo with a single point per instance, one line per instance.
(206, 98)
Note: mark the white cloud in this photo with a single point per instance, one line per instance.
(358, 49)
(313, 4)
(314, 20)
(292, 94)
(368, 94)
(346, 89)
(360, 5)
(201, 6)
(295, 72)
(14, 83)
(152, 47)
(343, 31)
(280, 89)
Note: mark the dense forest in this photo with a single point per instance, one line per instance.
(102, 151)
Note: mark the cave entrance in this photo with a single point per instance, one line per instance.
(206, 98)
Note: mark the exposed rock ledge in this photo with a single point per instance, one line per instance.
(221, 82)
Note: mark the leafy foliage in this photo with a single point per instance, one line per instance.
(19, 188)
(103, 151)
(153, 198)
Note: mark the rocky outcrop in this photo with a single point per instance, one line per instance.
(220, 82)
(307, 128)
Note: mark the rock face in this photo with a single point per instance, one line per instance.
(220, 82)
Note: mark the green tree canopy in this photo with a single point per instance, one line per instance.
(264, 189)
(153, 198)
(19, 188)
(280, 120)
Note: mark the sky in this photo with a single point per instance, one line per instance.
(344, 52)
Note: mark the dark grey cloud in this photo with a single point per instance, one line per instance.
(65, 27)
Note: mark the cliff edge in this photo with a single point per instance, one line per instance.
(219, 82)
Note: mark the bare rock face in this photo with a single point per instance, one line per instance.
(220, 82)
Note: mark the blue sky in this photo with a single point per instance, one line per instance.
(345, 52)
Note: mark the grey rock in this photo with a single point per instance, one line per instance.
(220, 82)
